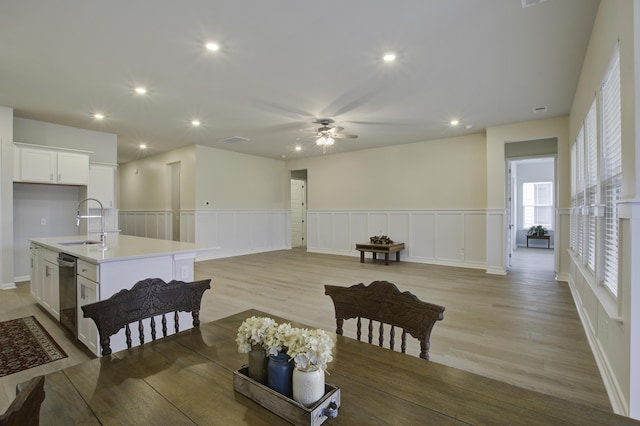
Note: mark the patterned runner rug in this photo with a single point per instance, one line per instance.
(24, 343)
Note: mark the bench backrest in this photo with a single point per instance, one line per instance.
(146, 299)
(382, 301)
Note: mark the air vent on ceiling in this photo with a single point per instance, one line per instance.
(234, 139)
(540, 109)
(527, 3)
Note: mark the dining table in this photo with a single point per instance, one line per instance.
(187, 378)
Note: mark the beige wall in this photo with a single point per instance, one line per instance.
(526, 131)
(439, 174)
(233, 181)
(143, 183)
(227, 180)
(612, 336)
(614, 22)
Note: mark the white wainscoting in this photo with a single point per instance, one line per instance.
(146, 223)
(445, 237)
(232, 232)
(237, 232)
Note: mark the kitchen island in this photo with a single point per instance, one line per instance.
(102, 270)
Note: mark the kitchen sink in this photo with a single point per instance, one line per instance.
(78, 243)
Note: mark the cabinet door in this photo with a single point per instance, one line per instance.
(102, 184)
(37, 165)
(73, 168)
(50, 288)
(36, 287)
(87, 331)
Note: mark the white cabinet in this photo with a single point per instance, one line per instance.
(50, 165)
(36, 286)
(73, 168)
(102, 184)
(50, 286)
(87, 292)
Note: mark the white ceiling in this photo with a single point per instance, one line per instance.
(285, 63)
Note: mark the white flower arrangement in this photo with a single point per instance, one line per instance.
(253, 331)
(308, 348)
(277, 338)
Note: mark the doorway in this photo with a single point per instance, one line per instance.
(175, 200)
(298, 208)
(531, 202)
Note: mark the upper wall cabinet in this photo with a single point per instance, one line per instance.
(102, 184)
(33, 163)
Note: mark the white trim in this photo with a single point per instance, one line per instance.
(614, 391)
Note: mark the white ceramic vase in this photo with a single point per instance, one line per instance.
(308, 386)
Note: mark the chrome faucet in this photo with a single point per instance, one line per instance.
(103, 235)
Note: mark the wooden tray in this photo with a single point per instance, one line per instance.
(284, 407)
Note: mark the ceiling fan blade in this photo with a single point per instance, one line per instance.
(336, 129)
(343, 136)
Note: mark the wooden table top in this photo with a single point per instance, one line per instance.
(187, 378)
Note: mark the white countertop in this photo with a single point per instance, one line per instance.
(118, 247)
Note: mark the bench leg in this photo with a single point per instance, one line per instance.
(397, 256)
(386, 258)
(375, 256)
(361, 256)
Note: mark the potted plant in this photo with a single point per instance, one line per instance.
(538, 230)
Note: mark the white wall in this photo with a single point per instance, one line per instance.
(103, 146)
(609, 323)
(57, 204)
(6, 198)
(235, 202)
(229, 180)
(143, 184)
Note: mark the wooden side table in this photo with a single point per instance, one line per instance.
(380, 248)
(539, 237)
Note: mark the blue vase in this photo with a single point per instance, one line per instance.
(280, 371)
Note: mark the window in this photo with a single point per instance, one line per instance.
(611, 173)
(591, 186)
(537, 203)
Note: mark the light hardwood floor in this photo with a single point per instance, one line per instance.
(522, 328)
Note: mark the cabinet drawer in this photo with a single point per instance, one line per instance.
(88, 270)
(48, 255)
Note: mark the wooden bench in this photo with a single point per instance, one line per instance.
(380, 248)
(146, 299)
(539, 237)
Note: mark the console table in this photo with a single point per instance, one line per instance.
(380, 248)
(539, 237)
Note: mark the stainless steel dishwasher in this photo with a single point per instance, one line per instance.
(67, 279)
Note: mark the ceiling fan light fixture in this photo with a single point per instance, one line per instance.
(325, 141)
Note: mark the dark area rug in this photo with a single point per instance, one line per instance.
(24, 343)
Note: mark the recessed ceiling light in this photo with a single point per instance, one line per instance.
(98, 116)
(143, 146)
(454, 122)
(468, 126)
(298, 148)
(214, 47)
(141, 90)
(195, 123)
(389, 57)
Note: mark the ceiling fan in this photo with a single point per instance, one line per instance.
(327, 134)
